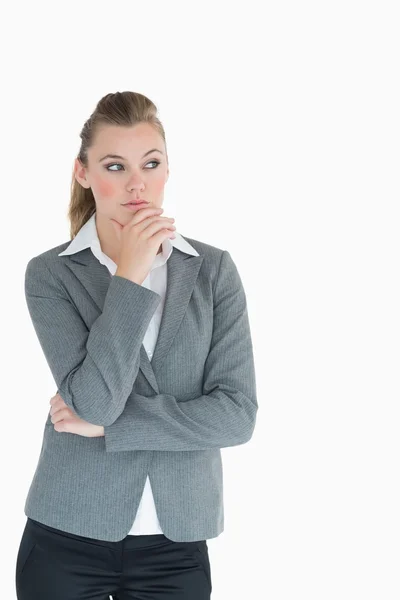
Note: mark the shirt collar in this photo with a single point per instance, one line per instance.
(87, 237)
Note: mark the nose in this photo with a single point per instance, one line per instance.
(135, 183)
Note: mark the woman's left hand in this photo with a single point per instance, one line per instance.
(65, 420)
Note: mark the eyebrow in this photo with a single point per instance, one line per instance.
(122, 158)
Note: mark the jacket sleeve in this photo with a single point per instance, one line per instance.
(94, 369)
(225, 414)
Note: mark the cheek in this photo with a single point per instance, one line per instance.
(158, 185)
(105, 188)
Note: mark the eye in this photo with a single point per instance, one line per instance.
(108, 167)
(156, 162)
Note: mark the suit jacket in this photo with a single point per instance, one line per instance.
(167, 418)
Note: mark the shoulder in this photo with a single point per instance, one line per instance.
(216, 261)
(51, 253)
(40, 264)
(212, 255)
(206, 250)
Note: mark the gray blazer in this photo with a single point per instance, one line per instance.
(167, 418)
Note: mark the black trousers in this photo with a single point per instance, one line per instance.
(56, 565)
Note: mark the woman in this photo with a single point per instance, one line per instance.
(147, 336)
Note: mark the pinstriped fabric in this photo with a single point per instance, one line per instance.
(167, 418)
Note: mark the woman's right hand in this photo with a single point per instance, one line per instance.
(140, 240)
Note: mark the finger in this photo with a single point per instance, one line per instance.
(68, 426)
(58, 401)
(61, 415)
(56, 417)
(56, 397)
(62, 426)
(56, 408)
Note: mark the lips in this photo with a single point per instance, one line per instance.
(134, 202)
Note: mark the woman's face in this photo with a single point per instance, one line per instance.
(141, 172)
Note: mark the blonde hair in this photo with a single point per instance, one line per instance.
(121, 108)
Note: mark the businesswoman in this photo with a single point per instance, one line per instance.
(146, 333)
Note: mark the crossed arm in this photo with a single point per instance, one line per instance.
(95, 370)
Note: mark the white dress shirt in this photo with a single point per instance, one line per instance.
(146, 521)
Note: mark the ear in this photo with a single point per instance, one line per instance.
(80, 174)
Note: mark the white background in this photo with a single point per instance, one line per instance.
(282, 125)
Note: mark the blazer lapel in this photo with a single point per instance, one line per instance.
(182, 271)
